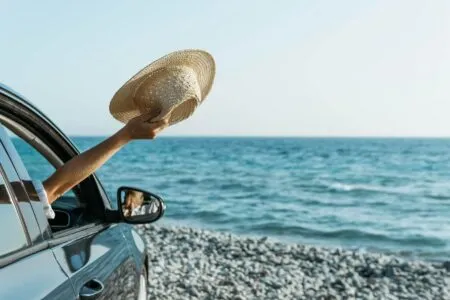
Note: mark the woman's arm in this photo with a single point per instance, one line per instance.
(83, 165)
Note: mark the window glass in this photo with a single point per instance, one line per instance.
(12, 232)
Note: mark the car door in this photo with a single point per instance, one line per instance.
(98, 262)
(28, 268)
(95, 256)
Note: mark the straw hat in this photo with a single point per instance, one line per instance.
(176, 83)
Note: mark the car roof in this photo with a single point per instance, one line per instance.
(21, 100)
(16, 97)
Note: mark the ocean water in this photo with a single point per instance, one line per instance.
(390, 195)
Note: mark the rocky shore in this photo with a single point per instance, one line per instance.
(190, 263)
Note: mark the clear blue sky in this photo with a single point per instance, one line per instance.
(334, 68)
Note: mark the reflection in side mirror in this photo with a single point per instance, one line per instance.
(137, 206)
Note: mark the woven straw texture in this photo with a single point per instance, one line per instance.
(176, 83)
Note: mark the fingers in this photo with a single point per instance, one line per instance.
(167, 114)
(155, 127)
(161, 122)
(142, 127)
(160, 125)
(147, 117)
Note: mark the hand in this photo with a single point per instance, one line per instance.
(142, 127)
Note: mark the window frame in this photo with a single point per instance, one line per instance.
(30, 248)
(15, 109)
(21, 171)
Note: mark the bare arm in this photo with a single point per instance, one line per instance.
(83, 165)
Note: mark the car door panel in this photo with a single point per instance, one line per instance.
(37, 276)
(102, 256)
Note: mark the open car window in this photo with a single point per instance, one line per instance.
(69, 209)
(87, 203)
(38, 167)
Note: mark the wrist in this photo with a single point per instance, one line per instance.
(123, 136)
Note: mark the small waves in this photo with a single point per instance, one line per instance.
(364, 188)
(187, 181)
(361, 236)
(438, 196)
(203, 215)
(341, 187)
(338, 187)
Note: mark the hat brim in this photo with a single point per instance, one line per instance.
(122, 106)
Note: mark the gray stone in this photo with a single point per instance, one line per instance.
(388, 271)
(446, 265)
(187, 263)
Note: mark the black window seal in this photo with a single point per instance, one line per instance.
(24, 113)
(76, 233)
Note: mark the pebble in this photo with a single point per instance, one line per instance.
(446, 265)
(187, 263)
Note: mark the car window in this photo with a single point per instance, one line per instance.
(38, 167)
(11, 231)
(70, 210)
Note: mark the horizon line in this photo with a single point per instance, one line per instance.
(280, 136)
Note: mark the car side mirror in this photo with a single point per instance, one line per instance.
(137, 206)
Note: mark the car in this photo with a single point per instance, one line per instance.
(91, 249)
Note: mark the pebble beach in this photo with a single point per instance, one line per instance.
(189, 263)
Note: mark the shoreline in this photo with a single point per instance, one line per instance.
(404, 254)
(191, 263)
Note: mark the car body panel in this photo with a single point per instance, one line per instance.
(135, 243)
(35, 277)
(103, 256)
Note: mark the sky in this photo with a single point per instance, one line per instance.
(284, 68)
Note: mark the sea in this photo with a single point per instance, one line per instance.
(390, 195)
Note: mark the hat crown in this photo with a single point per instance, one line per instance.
(166, 88)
